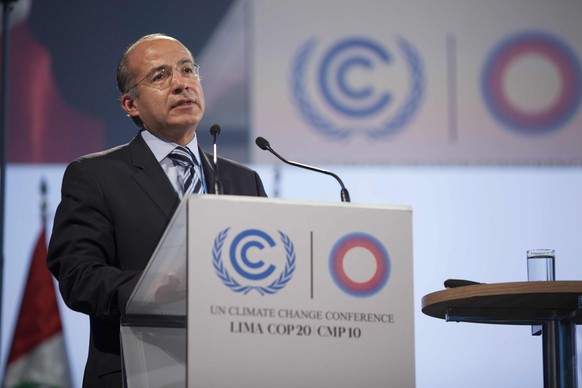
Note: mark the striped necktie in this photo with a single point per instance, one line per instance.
(191, 182)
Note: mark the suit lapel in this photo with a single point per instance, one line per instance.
(151, 177)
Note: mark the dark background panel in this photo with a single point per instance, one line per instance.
(87, 38)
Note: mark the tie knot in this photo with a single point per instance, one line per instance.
(189, 177)
(182, 156)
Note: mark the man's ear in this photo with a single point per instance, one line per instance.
(128, 105)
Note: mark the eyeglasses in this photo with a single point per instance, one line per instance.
(161, 77)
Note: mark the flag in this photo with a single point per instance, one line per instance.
(38, 356)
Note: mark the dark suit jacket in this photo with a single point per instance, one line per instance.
(114, 208)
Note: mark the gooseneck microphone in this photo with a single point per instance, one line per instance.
(264, 145)
(215, 131)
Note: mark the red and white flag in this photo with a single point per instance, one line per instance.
(38, 356)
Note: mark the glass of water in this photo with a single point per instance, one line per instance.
(541, 265)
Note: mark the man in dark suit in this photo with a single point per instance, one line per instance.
(116, 204)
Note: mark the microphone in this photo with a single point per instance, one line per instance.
(215, 131)
(264, 145)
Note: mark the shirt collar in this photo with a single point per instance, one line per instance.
(161, 148)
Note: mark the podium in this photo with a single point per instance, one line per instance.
(257, 292)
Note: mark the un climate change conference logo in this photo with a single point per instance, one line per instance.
(510, 103)
(346, 90)
(359, 265)
(255, 261)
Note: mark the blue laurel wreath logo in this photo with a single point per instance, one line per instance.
(391, 125)
(276, 285)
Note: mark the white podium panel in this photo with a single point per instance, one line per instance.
(276, 293)
(299, 294)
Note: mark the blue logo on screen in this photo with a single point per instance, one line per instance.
(348, 89)
(254, 261)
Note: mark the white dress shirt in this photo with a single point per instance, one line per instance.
(161, 149)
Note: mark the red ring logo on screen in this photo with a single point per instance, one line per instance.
(344, 280)
(552, 51)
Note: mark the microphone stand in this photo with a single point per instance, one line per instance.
(6, 9)
(215, 131)
(264, 144)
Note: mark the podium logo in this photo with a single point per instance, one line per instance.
(359, 265)
(254, 261)
(357, 86)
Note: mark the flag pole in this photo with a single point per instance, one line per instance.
(6, 9)
(43, 201)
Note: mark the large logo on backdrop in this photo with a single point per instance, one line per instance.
(532, 82)
(357, 86)
(254, 262)
(359, 264)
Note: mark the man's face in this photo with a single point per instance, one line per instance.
(168, 97)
